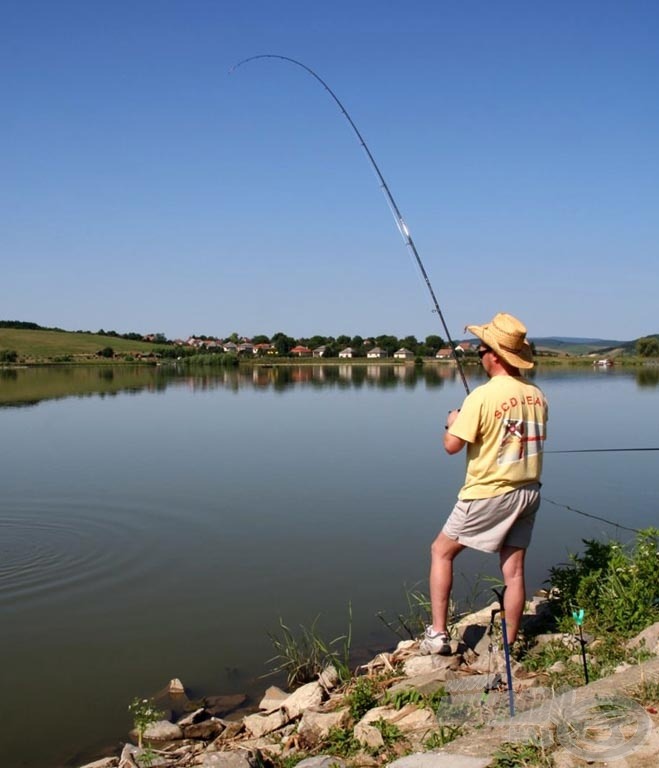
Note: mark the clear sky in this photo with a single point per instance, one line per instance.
(143, 188)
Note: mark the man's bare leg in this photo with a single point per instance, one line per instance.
(443, 552)
(512, 568)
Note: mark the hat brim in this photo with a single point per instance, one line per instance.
(520, 358)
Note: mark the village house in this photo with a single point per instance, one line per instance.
(319, 351)
(229, 346)
(346, 353)
(404, 354)
(376, 353)
(300, 351)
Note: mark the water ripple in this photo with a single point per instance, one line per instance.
(50, 547)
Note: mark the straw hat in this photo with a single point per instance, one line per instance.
(506, 335)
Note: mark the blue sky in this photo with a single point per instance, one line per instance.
(146, 189)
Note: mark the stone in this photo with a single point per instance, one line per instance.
(162, 730)
(175, 687)
(321, 761)
(231, 729)
(306, 696)
(439, 760)
(427, 683)
(416, 720)
(329, 677)
(648, 639)
(482, 617)
(476, 638)
(558, 667)
(239, 758)
(219, 706)
(315, 726)
(273, 698)
(406, 645)
(207, 729)
(422, 665)
(106, 762)
(260, 725)
(192, 717)
(368, 736)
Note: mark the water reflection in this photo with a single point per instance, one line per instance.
(28, 387)
(648, 377)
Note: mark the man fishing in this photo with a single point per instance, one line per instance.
(503, 425)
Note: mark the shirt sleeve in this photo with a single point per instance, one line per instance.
(466, 425)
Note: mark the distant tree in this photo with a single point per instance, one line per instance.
(343, 341)
(260, 339)
(356, 342)
(282, 343)
(648, 346)
(235, 338)
(389, 343)
(434, 341)
(411, 343)
(8, 356)
(160, 338)
(106, 352)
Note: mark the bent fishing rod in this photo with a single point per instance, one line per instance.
(400, 222)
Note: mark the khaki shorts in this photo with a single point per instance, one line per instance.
(489, 524)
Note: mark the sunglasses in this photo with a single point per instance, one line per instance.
(483, 352)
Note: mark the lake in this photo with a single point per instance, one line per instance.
(158, 523)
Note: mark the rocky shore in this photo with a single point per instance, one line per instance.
(422, 712)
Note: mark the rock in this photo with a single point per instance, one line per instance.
(322, 761)
(315, 726)
(305, 697)
(648, 638)
(239, 758)
(207, 730)
(260, 725)
(435, 760)
(194, 717)
(406, 645)
(482, 617)
(558, 667)
(106, 762)
(547, 637)
(416, 720)
(219, 706)
(231, 729)
(163, 730)
(422, 665)
(273, 698)
(175, 687)
(427, 683)
(368, 736)
(329, 677)
(475, 637)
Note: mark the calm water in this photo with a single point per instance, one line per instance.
(156, 524)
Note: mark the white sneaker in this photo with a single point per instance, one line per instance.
(435, 642)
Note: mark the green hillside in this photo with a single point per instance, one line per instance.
(36, 345)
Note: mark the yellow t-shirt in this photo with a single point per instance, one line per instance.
(504, 423)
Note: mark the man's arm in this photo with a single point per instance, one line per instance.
(452, 444)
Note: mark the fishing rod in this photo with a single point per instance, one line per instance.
(400, 222)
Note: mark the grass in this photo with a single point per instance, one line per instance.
(33, 345)
(526, 754)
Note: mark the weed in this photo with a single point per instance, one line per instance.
(341, 742)
(400, 699)
(521, 755)
(304, 657)
(443, 736)
(647, 693)
(618, 586)
(144, 714)
(146, 758)
(391, 734)
(362, 696)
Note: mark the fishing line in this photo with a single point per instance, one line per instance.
(594, 517)
(400, 222)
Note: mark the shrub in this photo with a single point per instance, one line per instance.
(617, 586)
